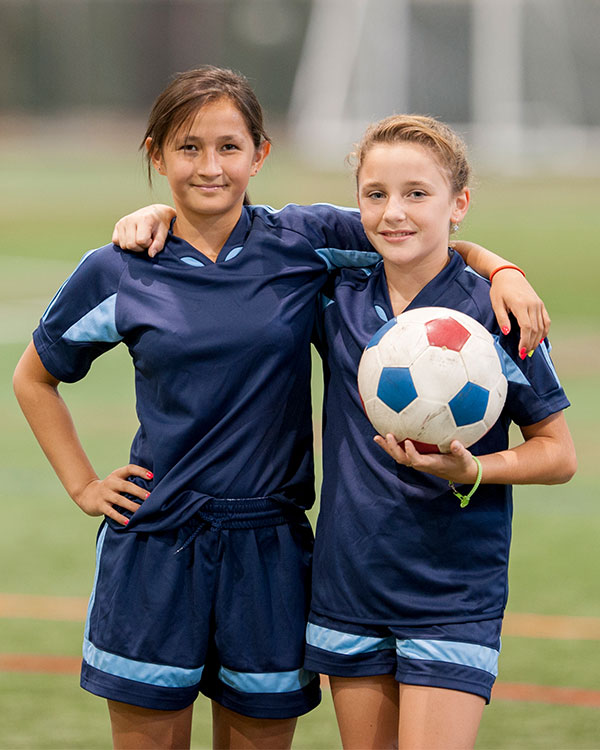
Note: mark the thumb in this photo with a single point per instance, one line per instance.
(458, 449)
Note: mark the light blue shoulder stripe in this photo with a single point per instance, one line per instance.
(468, 269)
(546, 355)
(266, 682)
(509, 367)
(139, 671)
(98, 324)
(465, 654)
(62, 286)
(272, 210)
(345, 643)
(336, 257)
(349, 209)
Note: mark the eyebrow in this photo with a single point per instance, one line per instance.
(190, 137)
(410, 184)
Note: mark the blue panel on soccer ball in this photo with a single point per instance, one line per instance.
(469, 404)
(380, 333)
(396, 388)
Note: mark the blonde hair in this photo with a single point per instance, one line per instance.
(446, 145)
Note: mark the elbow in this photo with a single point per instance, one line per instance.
(17, 384)
(566, 469)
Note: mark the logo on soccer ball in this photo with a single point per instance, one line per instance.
(432, 375)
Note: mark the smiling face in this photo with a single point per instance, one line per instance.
(407, 204)
(208, 162)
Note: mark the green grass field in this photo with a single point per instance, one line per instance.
(56, 204)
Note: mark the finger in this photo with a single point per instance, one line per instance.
(392, 448)
(117, 498)
(160, 237)
(527, 335)
(136, 471)
(143, 235)
(503, 320)
(116, 516)
(546, 323)
(412, 454)
(131, 489)
(382, 443)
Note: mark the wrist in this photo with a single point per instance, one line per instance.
(464, 499)
(506, 267)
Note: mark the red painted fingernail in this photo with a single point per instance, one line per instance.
(505, 330)
(147, 496)
(150, 475)
(541, 341)
(522, 353)
(126, 522)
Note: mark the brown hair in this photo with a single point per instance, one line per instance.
(447, 146)
(191, 90)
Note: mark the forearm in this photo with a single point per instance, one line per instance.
(537, 461)
(478, 258)
(546, 457)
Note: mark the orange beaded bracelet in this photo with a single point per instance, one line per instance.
(501, 268)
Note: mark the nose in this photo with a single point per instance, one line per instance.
(394, 210)
(209, 164)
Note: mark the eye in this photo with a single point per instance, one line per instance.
(230, 147)
(188, 148)
(418, 194)
(376, 195)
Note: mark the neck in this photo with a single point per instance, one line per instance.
(405, 283)
(207, 234)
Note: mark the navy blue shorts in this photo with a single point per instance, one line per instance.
(460, 656)
(218, 607)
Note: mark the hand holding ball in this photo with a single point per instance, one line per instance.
(432, 375)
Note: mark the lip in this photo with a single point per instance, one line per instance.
(209, 188)
(400, 235)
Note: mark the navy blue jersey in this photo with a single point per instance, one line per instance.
(393, 546)
(220, 350)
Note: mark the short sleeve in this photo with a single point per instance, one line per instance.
(534, 390)
(80, 322)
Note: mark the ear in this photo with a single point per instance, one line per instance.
(260, 155)
(155, 156)
(460, 205)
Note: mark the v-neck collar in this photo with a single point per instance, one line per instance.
(429, 296)
(233, 244)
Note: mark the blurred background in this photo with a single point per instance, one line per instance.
(518, 78)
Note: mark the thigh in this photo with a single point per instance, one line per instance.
(144, 728)
(438, 719)
(366, 709)
(234, 730)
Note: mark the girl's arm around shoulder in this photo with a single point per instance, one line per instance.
(546, 456)
(49, 418)
(510, 293)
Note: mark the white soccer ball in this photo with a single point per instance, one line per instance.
(432, 375)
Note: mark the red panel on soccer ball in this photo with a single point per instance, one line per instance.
(446, 332)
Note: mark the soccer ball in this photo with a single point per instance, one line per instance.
(432, 375)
